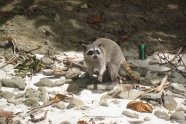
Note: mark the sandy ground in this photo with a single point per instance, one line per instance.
(111, 114)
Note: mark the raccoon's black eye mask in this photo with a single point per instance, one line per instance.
(90, 52)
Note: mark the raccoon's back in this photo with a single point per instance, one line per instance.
(112, 50)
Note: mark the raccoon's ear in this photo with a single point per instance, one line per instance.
(100, 44)
(84, 46)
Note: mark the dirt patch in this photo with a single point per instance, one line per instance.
(61, 25)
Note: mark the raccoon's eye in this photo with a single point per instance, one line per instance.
(90, 52)
(98, 52)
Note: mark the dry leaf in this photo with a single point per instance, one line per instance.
(6, 114)
(57, 98)
(140, 106)
(82, 122)
(95, 19)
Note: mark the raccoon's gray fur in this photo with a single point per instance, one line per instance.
(104, 53)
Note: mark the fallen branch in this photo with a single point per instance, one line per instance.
(75, 65)
(33, 119)
(164, 80)
(173, 57)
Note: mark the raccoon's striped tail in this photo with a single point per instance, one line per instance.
(132, 75)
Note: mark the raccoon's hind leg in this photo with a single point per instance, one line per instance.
(113, 71)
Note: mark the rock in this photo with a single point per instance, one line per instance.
(7, 95)
(73, 74)
(16, 101)
(162, 115)
(177, 116)
(169, 102)
(68, 81)
(59, 105)
(58, 83)
(14, 83)
(47, 61)
(153, 98)
(116, 102)
(28, 92)
(130, 114)
(65, 122)
(3, 120)
(180, 109)
(73, 88)
(155, 80)
(178, 87)
(20, 83)
(136, 122)
(130, 94)
(103, 103)
(99, 118)
(43, 97)
(33, 102)
(3, 74)
(44, 82)
(147, 119)
(70, 105)
(82, 82)
(142, 71)
(104, 97)
(19, 95)
(84, 107)
(78, 102)
(34, 94)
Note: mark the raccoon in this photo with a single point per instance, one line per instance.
(105, 53)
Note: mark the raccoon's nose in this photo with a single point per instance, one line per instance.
(95, 57)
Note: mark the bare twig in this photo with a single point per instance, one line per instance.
(75, 64)
(33, 119)
(173, 57)
(164, 80)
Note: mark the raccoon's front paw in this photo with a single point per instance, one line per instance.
(100, 78)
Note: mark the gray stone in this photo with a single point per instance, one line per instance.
(68, 81)
(43, 97)
(178, 87)
(177, 116)
(28, 92)
(70, 105)
(34, 94)
(73, 88)
(44, 82)
(136, 122)
(130, 114)
(3, 120)
(78, 102)
(59, 105)
(162, 115)
(65, 122)
(58, 83)
(82, 82)
(142, 71)
(169, 102)
(147, 119)
(72, 74)
(7, 95)
(180, 109)
(104, 97)
(84, 107)
(16, 101)
(103, 103)
(14, 83)
(155, 80)
(19, 95)
(130, 94)
(47, 61)
(33, 102)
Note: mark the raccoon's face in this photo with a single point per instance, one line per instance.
(92, 51)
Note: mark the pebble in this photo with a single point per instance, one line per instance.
(180, 109)
(136, 122)
(84, 107)
(78, 102)
(130, 94)
(7, 95)
(147, 119)
(70, 105)
(47, 61)
(43, 97)
(178, 87)
(169, 103)
(177, 116)
(162, 115)
(44, 82)
(82, 82)
(60, 105)
(14, 83)
(104, 103)
(130, 114)
(65, 122)
(58, 83)
(19, 95)
(73, 88)
(16, 101)
(33, 102)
